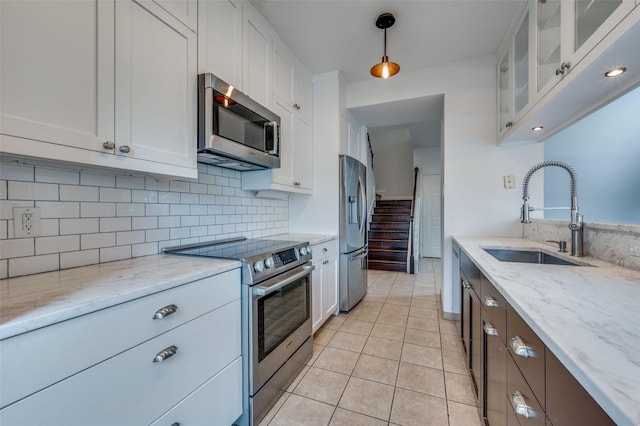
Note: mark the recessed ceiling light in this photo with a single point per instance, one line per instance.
(615, 72)
(537, 128)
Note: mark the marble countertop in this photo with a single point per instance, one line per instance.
(312, 238)
(589, 317)
(35, 301)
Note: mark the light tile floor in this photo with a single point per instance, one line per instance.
(392, 360)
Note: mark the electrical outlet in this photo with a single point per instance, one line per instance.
(26, 222)
(509, 182)
(634, 251)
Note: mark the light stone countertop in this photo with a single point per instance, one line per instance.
(34, 301)
(312, 238)
(589, 317)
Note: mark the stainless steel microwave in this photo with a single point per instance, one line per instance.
(234, 131)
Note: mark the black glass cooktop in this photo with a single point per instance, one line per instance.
(245, 249)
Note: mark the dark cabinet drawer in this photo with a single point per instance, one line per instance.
(495, 379)
(568, 403)
(520, 398)
(527, 351)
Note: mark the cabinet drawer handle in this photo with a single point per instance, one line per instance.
(520, 406)
(124, 149)
(296, 106)
(466, 285)
(520, 348)
(108, 145)
(490, 330)
(490, 302)
(325, 262)
(324, 250)
(165, 354)
(165, 312)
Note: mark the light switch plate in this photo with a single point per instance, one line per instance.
(26, 222)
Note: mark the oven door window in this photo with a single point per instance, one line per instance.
(237, 123)
(280, 314)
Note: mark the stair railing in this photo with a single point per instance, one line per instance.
(410, 252)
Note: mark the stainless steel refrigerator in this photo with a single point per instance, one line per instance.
(353, 232)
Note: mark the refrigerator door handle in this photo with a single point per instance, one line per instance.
(360, 256)
(363, 206)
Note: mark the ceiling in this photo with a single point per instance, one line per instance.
(328, 35)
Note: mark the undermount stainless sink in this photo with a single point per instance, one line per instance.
(530, 256)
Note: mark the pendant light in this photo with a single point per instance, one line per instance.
(385, 69)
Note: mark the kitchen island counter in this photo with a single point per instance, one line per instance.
(588, 316)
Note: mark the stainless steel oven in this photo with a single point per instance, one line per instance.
(276, 314)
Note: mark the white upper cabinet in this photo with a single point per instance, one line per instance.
(257, 54)
(156, 85)
(76, 87)
(186, 11)
(220, 40)
(57, 79)
(551, 64)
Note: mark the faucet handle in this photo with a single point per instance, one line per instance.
(562, 245)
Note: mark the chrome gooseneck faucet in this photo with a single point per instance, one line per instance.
(576, 218)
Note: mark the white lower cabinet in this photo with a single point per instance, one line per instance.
(194, 354)
(325, 282)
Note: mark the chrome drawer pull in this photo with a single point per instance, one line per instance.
(520, 348)
(490, 330)
(520, 406)
(165, 354)
(490, 302)
(164, 312)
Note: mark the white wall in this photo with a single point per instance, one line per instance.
(393, 154)
(474, 199)
(428, 160)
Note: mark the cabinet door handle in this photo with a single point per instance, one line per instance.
(325, 262)
(509, 124)
(165, 312)
(466, 285)
(165, 354)
(124, 149)
(324, 250)
(296, 106)
(521, 407)
(490, 302)
(108, 145)
(520, 348)
(490, 330)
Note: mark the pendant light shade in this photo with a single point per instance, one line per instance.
(385, 69)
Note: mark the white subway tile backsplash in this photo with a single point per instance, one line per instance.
(145, 249)
(130, 209)
(157, 209)
(179, 186)
(144, 196)
(17, 248)
(156, 234)
(131, 182)
(130, 237)
(145, 222)
(33, 264)
(74, 259)
(79, 226)
(109, 254)
(56, 209)
(92, 241)
(78, 193)
(51, 175)
(3, 189)
(18, 190)
(168, 221)
(102, 180)
(92, 217)
(115, 195)
(11, 170)
(110, 224)
(169, 197)
(47, 245)
(98, 209)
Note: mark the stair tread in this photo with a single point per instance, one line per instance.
(397, 262)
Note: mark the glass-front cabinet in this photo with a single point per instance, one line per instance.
(549, 38)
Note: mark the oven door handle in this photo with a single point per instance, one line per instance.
(263, 291)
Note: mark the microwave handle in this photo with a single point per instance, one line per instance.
(276, 144)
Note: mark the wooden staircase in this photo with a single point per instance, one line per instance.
(389, 235)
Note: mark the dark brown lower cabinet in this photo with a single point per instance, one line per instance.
(521, 399)
(495, 378)
(568, 403)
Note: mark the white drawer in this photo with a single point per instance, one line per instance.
(34, 360)
(324, 250)
(217, 402)
(131, 389)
